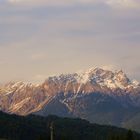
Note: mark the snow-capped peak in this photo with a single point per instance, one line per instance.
(135, 83)
(99, 76)
(85, 81)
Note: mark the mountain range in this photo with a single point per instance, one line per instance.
(97, 95)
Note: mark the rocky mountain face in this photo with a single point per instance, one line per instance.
(97, 95)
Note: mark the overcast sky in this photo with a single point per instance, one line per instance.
(39, 38)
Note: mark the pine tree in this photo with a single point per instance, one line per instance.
(129, 135)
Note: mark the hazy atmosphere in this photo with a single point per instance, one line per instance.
(39, 38)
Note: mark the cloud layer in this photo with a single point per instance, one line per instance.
(112, 3)
(41, 38)
(124, 3)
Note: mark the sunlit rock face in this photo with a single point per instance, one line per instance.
(98, 95)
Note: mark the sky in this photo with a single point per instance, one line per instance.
(41, 38)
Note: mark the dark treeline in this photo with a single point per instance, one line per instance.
(14, 127)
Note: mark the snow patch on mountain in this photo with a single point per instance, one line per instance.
(105, 78)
